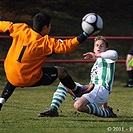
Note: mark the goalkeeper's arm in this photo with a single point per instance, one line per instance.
(82, 37)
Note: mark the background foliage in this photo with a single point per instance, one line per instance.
(66, 17)
(20, 113)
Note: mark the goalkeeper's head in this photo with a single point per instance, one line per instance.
(42, 23)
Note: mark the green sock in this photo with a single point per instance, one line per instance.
(94, 109)
(58, 97)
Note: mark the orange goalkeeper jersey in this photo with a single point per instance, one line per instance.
(29, 51)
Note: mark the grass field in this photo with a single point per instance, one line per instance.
(19, 114)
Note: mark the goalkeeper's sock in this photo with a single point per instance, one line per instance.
(69, 83)
(8, 90)
(95, 110)
(58, 97)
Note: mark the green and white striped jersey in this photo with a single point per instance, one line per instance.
(102, 73)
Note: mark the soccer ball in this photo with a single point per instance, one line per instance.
(92, 23)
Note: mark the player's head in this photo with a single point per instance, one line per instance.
(100, 44)
(42, 23)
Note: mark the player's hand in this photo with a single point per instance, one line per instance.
(89, 55)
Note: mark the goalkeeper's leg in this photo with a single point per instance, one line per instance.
(7, 92)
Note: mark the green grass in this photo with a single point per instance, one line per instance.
(19, 114)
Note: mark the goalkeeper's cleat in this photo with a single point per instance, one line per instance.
(49, 113)
(79, 92)
(83, 89)
(111, 113)
(71, 93)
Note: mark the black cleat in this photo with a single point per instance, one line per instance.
(83, 89)
(111, 113)
(49, 113)
(128, 85)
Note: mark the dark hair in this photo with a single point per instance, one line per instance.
(40, 20)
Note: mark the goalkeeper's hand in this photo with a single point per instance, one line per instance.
(82, 37)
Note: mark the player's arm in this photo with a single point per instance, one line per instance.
(89, 55)
(5, 26)
(109, 54)
(64, 46)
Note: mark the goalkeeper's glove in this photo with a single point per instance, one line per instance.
(82, 37)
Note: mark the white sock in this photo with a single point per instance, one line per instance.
(2, 100)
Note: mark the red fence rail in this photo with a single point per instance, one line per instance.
(91, 37)
(71, 61)
(79, 61)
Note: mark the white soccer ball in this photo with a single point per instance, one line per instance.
(92, 23)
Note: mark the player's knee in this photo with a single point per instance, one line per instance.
(62, 72)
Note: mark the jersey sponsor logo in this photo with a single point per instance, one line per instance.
(94, 72)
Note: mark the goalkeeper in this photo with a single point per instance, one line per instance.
(24, 63)
(94, 94)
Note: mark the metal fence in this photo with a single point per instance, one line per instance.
(79, 61)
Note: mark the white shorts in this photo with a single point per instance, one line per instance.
(99, 95)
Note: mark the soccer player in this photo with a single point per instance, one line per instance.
(129, 67)
(95, 94)
(29, 50)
